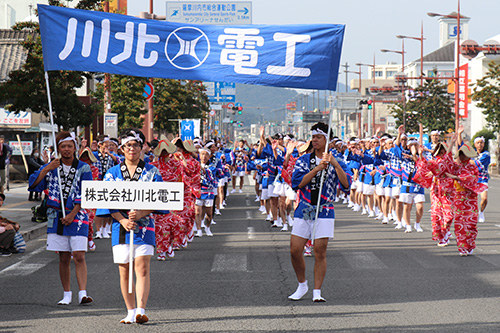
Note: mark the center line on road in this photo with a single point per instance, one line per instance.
(249, 215)
(235, 262)
(251, 233)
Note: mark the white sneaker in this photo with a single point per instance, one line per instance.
(408, 229)
(213, 222)
(224, 203)
(418, 228)
(217, 212)
(262, 208)
(398, 225)
(385, 220)
(105, 233)
(277, 224)
(344, 201)
(257, 199)
(372, 214)
(285, 227)
(198, 233)
(364, 212)
(357, 208)
(379, 216)
(481, 217)
(203, 223)
(232, 191)
(208, 232)
(269, 218)
(290, 220)
(300, 292)
(241, 191)
(337, 199)
(350, 204)
(98, 235)
(222, 207)
(263, 212)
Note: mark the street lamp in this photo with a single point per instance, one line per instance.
(402, 52)
(421, 39)
(359, 91)
(457, 70)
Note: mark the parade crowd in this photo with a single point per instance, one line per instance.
(296, 184)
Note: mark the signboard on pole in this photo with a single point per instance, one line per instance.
(187, 130)
(205, 12)
(111, 124)
(221, 92)
(15, 119)
(133, 195)
(27, 147)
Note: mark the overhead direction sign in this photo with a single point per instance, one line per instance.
(220, 92)
(205, 12)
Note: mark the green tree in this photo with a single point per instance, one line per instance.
(486, 134)
(487, 95)
(26, 88)
(126, 99)
(176, 99)
(431, 106)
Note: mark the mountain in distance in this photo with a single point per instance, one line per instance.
(268, 104)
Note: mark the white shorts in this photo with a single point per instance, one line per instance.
(410, 198)
(279, 189)
(354, 185)
(359, 186)
(222, 182)
(304, 228)
(379, 189)
(265, 194)
(388, 191)
(204, 202)
(368, 189)
(270, 191)
(239, 174)
(61, 243)
(290, 193)
(121, 253)
(395, 191)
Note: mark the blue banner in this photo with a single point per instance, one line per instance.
(296, 56)
(187, 130)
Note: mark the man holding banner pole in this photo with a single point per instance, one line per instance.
(133, 236)
(315, 173)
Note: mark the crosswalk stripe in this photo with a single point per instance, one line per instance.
(363, 260)
(230, 262)
(22, 268)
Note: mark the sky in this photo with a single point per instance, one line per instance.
(370, 25)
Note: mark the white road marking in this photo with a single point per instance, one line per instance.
(22, 268)
(363, 260)
(230, 262)
(249, 215)
(251, 233)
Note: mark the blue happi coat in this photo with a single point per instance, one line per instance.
(80, 225)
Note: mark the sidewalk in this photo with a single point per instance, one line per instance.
(17, 208)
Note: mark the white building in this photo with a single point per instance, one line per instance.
(12, 11)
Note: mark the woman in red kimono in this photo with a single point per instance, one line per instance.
(433, 173)
(171, 170)
(192, 188)
(465, 176)
(88, 157)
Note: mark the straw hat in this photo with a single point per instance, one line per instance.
(438, 147)
(189, 146)
(305, 147)
(467, 151)
(89, 152)
(166, 145)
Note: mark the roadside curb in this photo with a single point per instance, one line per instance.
(35, 232)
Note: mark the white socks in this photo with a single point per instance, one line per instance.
(140, 311)
(302, 289)
(68, 295)
(130, 318)
(317, 296)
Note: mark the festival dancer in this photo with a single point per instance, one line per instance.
(306, 179)
(192, 186)
(166, 225)
(465, 175)
(86, 156)
(67, 234)
(482, 162)
(133, 168)
(204, 204)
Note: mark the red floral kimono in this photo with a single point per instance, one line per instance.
(192, 189)
(442, 192)
(166, 225)
(465, 204)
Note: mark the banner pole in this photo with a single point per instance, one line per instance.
(315, 222)
(22, 153)
(131, 260)
(63, 209)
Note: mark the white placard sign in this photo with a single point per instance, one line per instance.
(133, 195)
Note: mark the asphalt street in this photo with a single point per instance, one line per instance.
(378, 280)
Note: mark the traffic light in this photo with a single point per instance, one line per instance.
(370, 104)
(361, 103)
(238, 108)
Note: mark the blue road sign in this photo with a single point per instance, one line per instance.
(221, 92)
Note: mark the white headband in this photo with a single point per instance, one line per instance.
(435, 132)
(209, 144)
(318, 131)
(133, 136)
(479, 138)
(72, 137)
(104, 140)
(204, 149)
